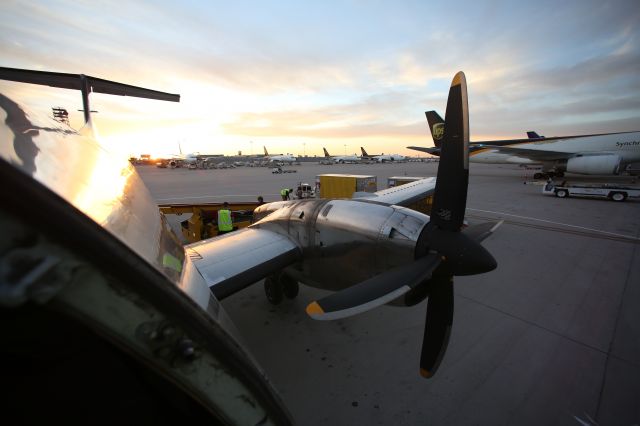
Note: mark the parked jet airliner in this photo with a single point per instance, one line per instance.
(341, 158)
(381, 158)
(597, 154)
(286, 158)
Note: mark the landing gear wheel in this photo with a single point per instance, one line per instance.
(618, 196)
(291, 287)
(273, 290)
(562, 193)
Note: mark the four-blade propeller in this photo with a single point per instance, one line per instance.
(443, 249)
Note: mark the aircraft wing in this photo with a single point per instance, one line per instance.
(75, 81)
(532, 154)
(432, 150)
(233, 261)
(403, 195)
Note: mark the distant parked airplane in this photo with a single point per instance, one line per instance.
(381, 158)
(287, 158)
(341, 158)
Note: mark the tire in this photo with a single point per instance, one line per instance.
(290, 286)
(562, 193)
(618, 196)
(273, 290)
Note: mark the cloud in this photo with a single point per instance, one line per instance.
(353, 70)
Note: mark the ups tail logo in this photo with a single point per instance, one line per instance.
(438, 131)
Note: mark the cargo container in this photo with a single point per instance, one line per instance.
(343, 186)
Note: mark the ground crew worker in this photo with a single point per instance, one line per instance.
(225, 223)
(284, 193)
(260, 200)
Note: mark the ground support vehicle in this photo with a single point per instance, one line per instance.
(303, 191)
(279, 170)
(596, 190)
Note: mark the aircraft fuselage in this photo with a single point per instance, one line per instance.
(625, 145)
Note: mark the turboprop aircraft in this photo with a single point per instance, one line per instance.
(102, 316)
(597, 154)
(368, 250)
(97, 249)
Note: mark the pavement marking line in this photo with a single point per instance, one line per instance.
(558, 223)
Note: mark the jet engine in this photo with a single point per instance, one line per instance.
(594, 164)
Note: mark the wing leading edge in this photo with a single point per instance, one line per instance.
(234, 261)
(403, 195)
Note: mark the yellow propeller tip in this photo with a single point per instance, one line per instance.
(458, 79)
(314, 309)
(426, 374)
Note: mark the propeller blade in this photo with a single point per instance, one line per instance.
(450, 194)
(375, 291)
(481, 231)
(437, 328)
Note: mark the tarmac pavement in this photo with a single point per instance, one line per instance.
(552, 336)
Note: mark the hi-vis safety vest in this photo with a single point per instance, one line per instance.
(284, 192)
(224, 220)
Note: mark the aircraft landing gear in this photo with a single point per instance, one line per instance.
(278, 285)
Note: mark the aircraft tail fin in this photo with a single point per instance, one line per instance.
(266, 154)
(364, 153)
(533, 135)
(84, 83)
(326, 154)
(436, 125)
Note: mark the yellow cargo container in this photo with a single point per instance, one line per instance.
(343, 186)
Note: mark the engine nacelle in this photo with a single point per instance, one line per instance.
(594, 164)
(361, 237)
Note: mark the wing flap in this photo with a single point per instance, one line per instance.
(232, 262)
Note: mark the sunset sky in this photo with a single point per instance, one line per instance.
(295, 76)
